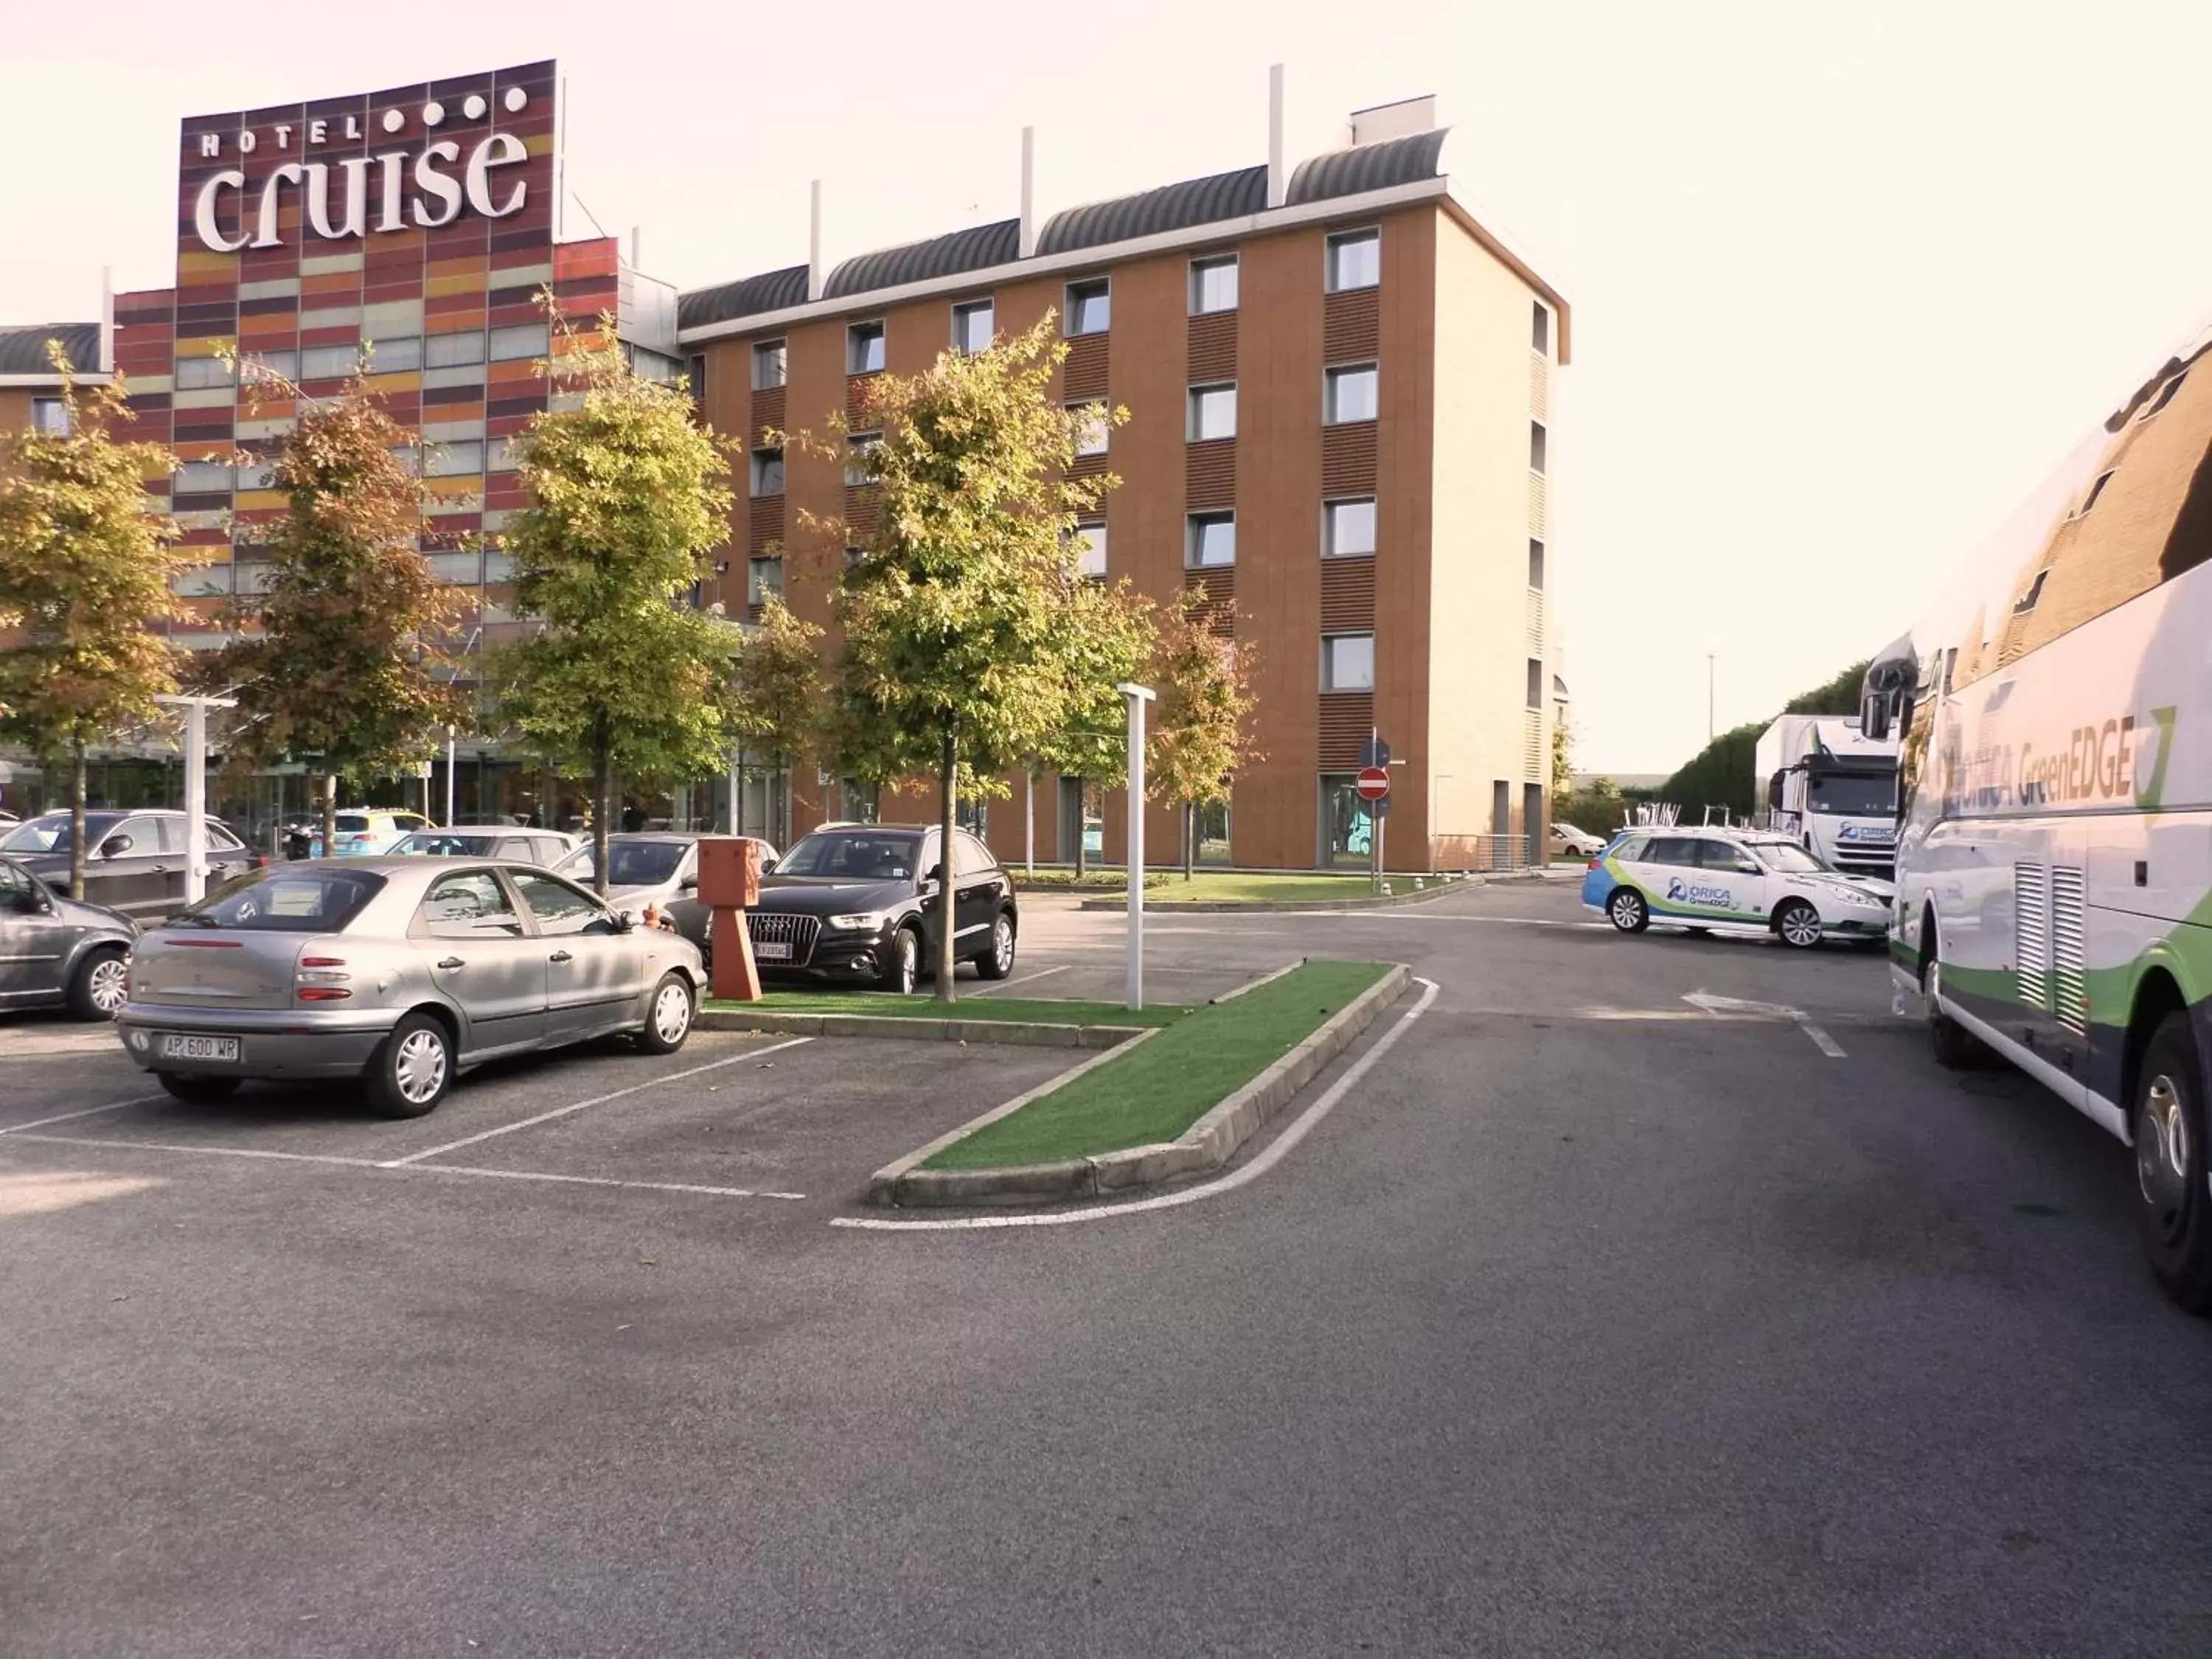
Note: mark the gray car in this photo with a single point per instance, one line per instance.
(545, 846)
(655, 867)
(54, 949)
(400, 972)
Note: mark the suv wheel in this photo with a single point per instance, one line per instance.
(998, 958)
(903, 963)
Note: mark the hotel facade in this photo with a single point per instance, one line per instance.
(1340, 384)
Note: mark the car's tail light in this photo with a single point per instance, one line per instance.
(322, 962)
(319, 980)
(1594, 862)
(324, 993)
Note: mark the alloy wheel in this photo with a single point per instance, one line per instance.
(419, 1069)
(107, 986)
(2163, 1157)
(1002, 945)
(909, 961)
(1801, 926)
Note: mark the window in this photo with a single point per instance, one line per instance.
(503, 455)
(2095, 490)
(469, 904)
(768, 472)
(459, 459)
(1540, 328)
(764, 577)
(1212, 413)
(695, 376)
(857, 446)
(1535, 683)
(1355, 260)
(1090, 306)
(517, 340)
(197, 374)
(2164, 395)
(256, 475)
(767, 365)
(864, 348)
(453, 350)
(1347, 823)
(1349, 394)
(1537, 444)
(1535, 563)
(560, 908)
(1347, 528)
(203, 478)
(1091, 428)
(2025, 603)
(1091, 550)
(395, 357)
(282, 365)
(1212, 285)
(1347, 662)
(853, 555)
(329, 362)
(1212, 541)
(51, 417)
(972, 326)
(969, 856)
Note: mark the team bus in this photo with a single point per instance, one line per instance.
(2054, 850)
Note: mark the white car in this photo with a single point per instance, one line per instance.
(1566, 838)
(1728, 881)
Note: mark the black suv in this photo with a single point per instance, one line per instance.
(134, 862)
(859, 903)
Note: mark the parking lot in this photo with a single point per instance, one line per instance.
(1647, 1294)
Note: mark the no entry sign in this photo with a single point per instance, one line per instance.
(1374, 784)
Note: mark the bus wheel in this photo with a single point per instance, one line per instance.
(2168, 1128)
(1956, 1049)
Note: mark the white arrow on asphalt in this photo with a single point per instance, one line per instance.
(1717, 1006)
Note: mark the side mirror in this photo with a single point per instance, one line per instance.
(1747, 867)
(115, 847)
(1873, 715)
(932, 875)
(689, 884)
(768, 866)
(1774, 791)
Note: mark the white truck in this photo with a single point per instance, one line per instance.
(1832, 790)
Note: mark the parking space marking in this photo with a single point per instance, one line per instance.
(1724, 1007)
(986, 990)
(594, 1181)
(87, 1111)
(1275, 1152)
(596, 1100)
(215, 1151)
(1827, 1044)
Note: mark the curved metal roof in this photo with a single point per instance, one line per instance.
(1173, 207)
(1369, 166)
(771, 290)
(23, 347)
(973, 249)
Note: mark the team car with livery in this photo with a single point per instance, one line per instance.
(1730, 881)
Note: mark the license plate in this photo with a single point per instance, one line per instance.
(175, 1045)
(769, 950)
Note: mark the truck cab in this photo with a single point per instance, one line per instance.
(1832, 790)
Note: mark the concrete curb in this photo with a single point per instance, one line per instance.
(1206, 1144)
(1010, 1033)
(1263, 906)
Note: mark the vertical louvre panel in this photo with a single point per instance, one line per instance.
(1347, 595)
(1351, 325)
(763, 522)
(1348, 720)
(1348, 458)
(1532, 744)
(1210, 475)
(1540, 385)
(1212, 346)
(1084, 373)
(1220, 608)
(2069, 949)
(859, 388)
(1536, 622)
(2031, 912)
(1537, 506)
(766, 411)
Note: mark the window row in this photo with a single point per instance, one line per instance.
(396, 356)
(1353, 260)
(1348, 530)
(457, 457)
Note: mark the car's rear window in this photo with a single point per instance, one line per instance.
(444, 844)
(287, 900)
(352, 822)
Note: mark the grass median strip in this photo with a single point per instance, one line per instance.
(1159, 1088)
(1227, 887)
(881, 1005)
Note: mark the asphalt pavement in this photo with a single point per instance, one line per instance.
(1603, 1314)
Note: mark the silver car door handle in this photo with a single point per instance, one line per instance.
(559, 955)
(452, 962)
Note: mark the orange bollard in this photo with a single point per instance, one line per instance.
(729, 885)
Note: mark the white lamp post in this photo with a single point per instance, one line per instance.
(196, 866)
(1139, 696)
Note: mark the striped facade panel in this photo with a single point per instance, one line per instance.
(763, 523)
(1347, 458)
(1084, 373)
(1350, 324)
(1346, 721)
(861, 511)
(767, 412)
(1347, 596)
(1213, 347)
(857, 390)
(1219, 606)
(1210, 475)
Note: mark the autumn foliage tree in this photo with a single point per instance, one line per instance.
(970, 638)
(776, 702)
(626, 676)
(1203, 735)
(342, 662)
(84, 567)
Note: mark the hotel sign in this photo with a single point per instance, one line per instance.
(420, 158)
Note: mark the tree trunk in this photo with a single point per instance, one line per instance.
(948, 865)
(330, 815)
(602, 791)
(76, 819)
(1082, 793)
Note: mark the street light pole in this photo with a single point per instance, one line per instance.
(1139, 696)
(196, 866)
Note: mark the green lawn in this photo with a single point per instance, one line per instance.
(1224, 887)
(1050, 1010)
(1094, 880)
(1161, 1087)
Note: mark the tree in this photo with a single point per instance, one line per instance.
(1108, 645)
(776, 703)
(626, 676)
(84, 567)
(970, 637)
(346, 665)
(1563, 756)
(1204, 735)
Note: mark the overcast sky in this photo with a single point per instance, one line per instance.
(1847, 279)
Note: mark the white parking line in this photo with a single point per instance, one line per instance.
(213, 1152)
(88, 1111)
(1300, 1127)
(1827, 1044)
(1724, 1007)
(596, 1100)
(986, 990)
(596, 1180)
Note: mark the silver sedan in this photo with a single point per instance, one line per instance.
(400, 972)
